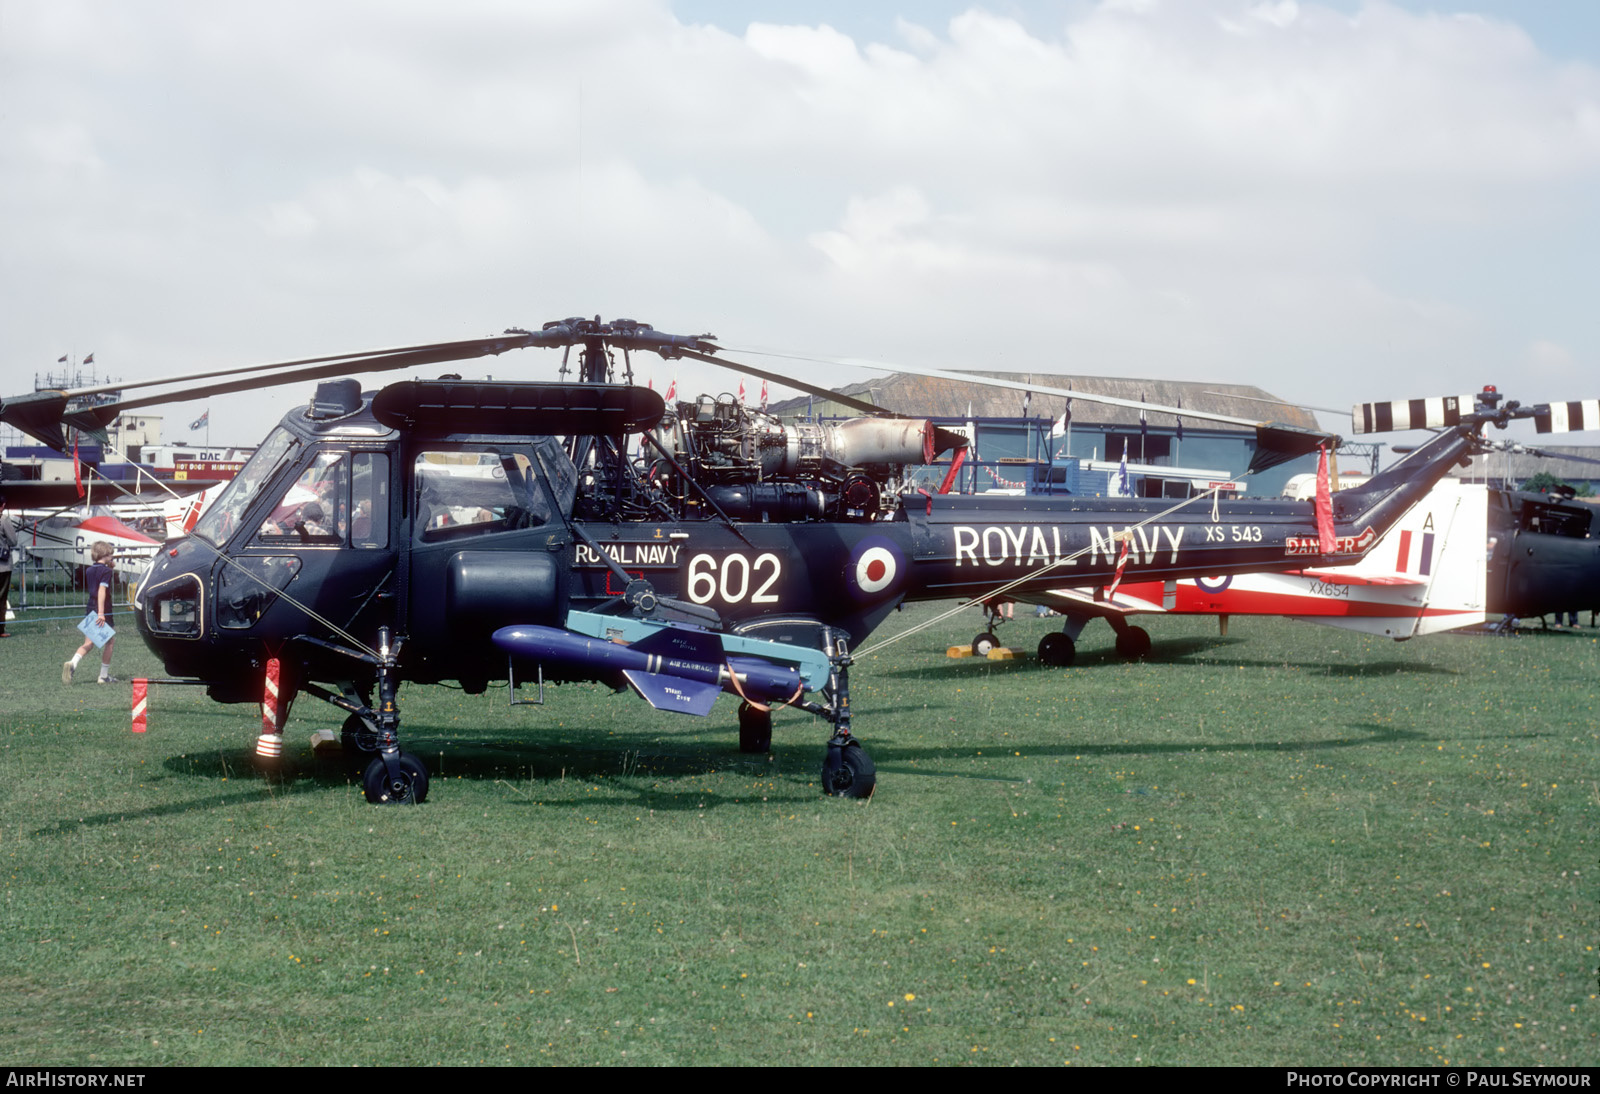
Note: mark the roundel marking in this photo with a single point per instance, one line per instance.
(876, 567)
(875, 570)
(1214, 584)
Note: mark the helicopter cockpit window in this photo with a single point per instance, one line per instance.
(249, 585)
(225, 515)
(369, 500)
(559, 472)
(315, 511)
(469, 491)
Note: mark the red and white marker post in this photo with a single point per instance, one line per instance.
(269, 746)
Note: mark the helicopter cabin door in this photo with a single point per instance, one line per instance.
(484, 551)
(326, 544)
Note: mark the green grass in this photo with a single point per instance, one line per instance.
(1292, 845)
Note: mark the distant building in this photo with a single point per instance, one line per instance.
(1576, 465)
(1012, 442)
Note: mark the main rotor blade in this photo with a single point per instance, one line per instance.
(458, 350)
(799, 385)
(42, 414)
(1275, 442)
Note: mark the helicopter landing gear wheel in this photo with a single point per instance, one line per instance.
(1133, 644)
(1057, 650)
(847, 770)
(982, 644)
(409, 786)
(356, 738)
(755, 729)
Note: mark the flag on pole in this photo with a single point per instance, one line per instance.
(1123, 490)
(763, 395)
(1180, 418)
(1144, 429)
(62, 359)
(1027, 400)
(1060, 427)
(672, 391)
(1066, 415)
(200, 422)
(89, 360)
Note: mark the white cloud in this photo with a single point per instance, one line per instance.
(1279, 193)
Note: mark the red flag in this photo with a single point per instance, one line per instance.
(1325, 537)
(763, 395)
(672, 391)
(741, 391)
(1122, 564)
(955, 469)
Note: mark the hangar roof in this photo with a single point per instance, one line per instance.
(940, 398)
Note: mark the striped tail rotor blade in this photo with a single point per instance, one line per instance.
(1403, 414)
(1573, 417)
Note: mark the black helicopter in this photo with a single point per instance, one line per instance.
(1544, 555)
(474, 531)
(1543, 551)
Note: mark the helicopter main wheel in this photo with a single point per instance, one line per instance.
(847, 771)
(1057, 649)
(1133, 644)
(755, 729)
(355, 739)
(985, 642)
(411, 788)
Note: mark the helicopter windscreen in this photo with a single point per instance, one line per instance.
(222, 519)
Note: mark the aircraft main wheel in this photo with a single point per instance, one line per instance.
(1133, 643)
(982, 644)
(755, 729)
(848, 772)
(1058, 650)
(355, 739)
(411, 788)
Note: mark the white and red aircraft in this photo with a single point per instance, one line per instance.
(1425, 576)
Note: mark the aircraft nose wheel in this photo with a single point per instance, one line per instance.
(847, 770)
(985, 642)
(408, 786)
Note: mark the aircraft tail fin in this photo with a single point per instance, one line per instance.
(674, 693)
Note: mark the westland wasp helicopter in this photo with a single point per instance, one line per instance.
(1544, 555)
(1543, 548)
(443, 529)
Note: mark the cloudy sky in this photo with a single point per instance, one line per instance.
(1337, 201)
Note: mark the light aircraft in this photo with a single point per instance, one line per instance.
(444, 529)
(1425, 575)
(65, 536)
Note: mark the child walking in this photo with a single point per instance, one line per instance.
(98, 581)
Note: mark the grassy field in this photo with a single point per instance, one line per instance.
(1291, 845)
